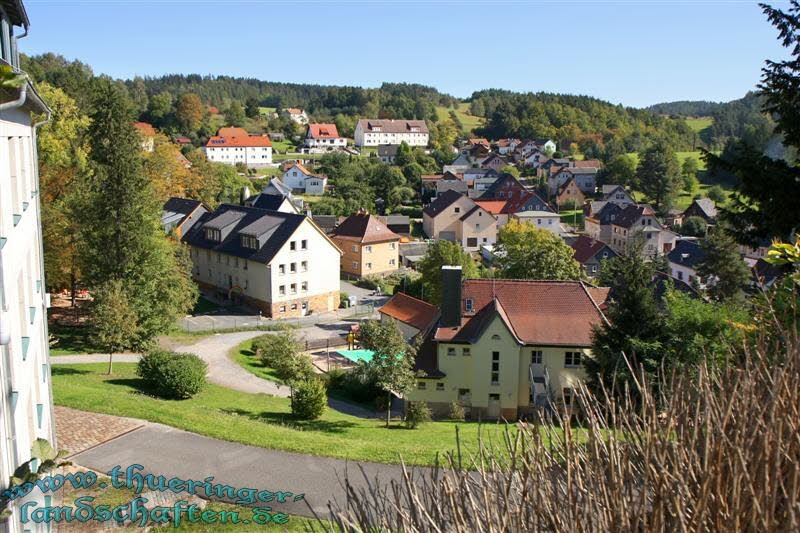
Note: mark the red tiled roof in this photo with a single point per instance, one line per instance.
(589, 163)
(294, 111)
(237, 137)
(323, 131)
(495, 207)
(145, 129)
(213, 110)
(364, 228)
(411, 311)
(585, 248)
(545, 313)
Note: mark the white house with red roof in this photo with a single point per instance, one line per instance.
(235, 145)
(323, 138)
(298, 178)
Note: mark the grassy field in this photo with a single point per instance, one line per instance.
(245, 357)
(573, 218)
(698, 124)
(682, 156)
(282, 157)
(267, 110)
(266, 421)
(282, 146)
(470, 122)
(71, 341)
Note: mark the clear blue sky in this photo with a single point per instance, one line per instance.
(631, 52)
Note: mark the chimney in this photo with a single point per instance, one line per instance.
(451, 297)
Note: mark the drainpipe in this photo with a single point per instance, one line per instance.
(19, 102)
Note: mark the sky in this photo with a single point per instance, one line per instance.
(636, 53)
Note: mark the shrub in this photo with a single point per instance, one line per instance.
(456, 412)
(309, 399)
(717, 194)
(293, 367)
(355, 385)
(272, 348)
(344, 299)
(417, 413)
(173, 375)
(694, 227)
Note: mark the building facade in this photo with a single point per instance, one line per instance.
(235, 145)
(323, 138)
(369, 247)
(26, 412)
(456, 217)
(374, 132)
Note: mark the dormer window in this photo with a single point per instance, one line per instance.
(213, 234)
(248, 241)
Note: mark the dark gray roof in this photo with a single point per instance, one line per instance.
(271, 202)
(326, 222)
(388, 150)
(686, 253)
(183, 206)
(272, 228)
(608, 213)
(706, 205)
(631, 213)
(16, 12)
(442, 202)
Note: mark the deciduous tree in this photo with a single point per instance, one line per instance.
(722, 268)
(189, 112)
(439, 254)
(524, 251)
(114, 321)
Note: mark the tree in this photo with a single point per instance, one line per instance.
(439, 254)
(510, 169)
(717, 194)
(121, 234)
(658, 175)
(251, 108)
(634, 326)
(114, 322)
(694, 227)
(621, 170)
(689, 170)
(766, 199)
(524, 251)
(189, 111)
(234, 115)
(160, 107)
(168, 172)
(722, 269)
(392, 360)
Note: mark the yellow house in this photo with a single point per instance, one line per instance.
(502, 348)
(368, 246)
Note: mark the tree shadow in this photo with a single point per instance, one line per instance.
(66, 371)
(289, 421)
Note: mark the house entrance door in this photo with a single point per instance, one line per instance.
(493, 411)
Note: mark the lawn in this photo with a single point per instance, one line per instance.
(573, 218)
(263, 420)
(698, 124)
(267, 110)
(204, 305)
(71, 340)
(246, 358)
(283, 146)
(283, 157)
(470, 122)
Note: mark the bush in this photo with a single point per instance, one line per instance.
(272, 348)
(293, 367)
(309, 399)
(409, 211)
(417, 413)
(694, 227)
(354, 385)
(344, 300)
(717, 194)
(456, 412)
(173, 375)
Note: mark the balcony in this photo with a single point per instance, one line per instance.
(540, 385)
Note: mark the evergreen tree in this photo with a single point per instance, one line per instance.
(234, 115)
(122, 239)
(722, 269)
(634, 329)
(251, 108)
(658, 176)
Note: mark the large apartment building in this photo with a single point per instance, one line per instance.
(280, 263)
(374, 132)
(25, 391)
(235, 145)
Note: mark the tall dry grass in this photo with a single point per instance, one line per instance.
(716, 451)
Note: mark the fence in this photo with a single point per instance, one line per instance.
(218, 323)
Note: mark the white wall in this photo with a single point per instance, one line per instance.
(252, 156)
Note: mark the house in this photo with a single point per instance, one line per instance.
(26, 392)
(585, 178)
(235, 145)
(374, 132)
(683, 260)
(296, 115)
(616, 194)
(412, 316)
(587, 163)
(505, 187)
(546, 220)
(526, 202)
(597, 224)
(704, 208)
(495, 162)
(279, 263)
(399, 224)
(147, 134)
(533, 159)
(369, 247)
(412, 252)
(456, 217)
(180, 214)
(591, 253)
(547, 146)
(506, 146)
(501, 357)
(451, 182)
(323, 138)
(478, 141)
(326, 223)
(481, 175)
(634, 221)
(560, 162)
(183, 141)
(275, 196)
(303, 181)
(570, 195)
(387, 153)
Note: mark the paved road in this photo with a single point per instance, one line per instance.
(167, 451)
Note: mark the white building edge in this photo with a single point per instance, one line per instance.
(26, 400)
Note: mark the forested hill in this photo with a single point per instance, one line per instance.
(596, 128)
(686, 108)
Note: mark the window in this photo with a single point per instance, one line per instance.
(572, 359)
(457, 210)
(281, 269)
(440, 386)
(391, 261)
(294, 307)
(421, 385)
(248, 241)
(293, 245)
(463, 395)
(567, 394)
(495, 337)
(355, 264)
(219, 258)
(369, 266)
(213, 234)
(536, 357)
(355, 248)
(392, 245)
(293, 268)
(466, 352)
(451, 350)
(282, 290)
(468, 305)
(304, 286)
(495, 368)
(304, 244)
(293, 288)
(368, 249)
(283, 309)
(303, 266)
